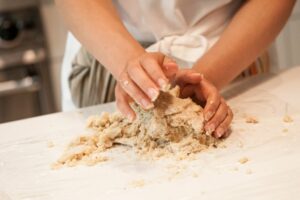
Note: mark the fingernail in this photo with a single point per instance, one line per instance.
(153, 93)
(210, 128)
(220, 132)
(146, 104)
(162, 83)
(208, 115)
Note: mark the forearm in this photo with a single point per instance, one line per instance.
(104, 35)
(249, 33)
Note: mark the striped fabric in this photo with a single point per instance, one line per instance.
(91, 84)
(261, 65)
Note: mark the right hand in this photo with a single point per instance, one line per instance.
(141, 80)
(217, 114)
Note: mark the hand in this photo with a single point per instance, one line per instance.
(217, 114)
(141, 81)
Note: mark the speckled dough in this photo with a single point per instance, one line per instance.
(174, 127)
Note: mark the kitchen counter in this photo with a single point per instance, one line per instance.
(272, 147)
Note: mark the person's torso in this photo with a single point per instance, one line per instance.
(151, 20)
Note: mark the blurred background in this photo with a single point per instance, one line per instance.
(32, 43)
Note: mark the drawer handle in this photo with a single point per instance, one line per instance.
(27, 84)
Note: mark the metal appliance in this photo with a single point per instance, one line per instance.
(25, 89)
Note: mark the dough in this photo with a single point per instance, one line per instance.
(174, 127)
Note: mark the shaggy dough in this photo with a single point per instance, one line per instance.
(174, 127)
(287, 119)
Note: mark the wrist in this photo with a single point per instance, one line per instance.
(208, 74)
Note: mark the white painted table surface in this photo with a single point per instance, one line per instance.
(274, 155)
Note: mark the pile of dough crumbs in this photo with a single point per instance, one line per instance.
(173, 128)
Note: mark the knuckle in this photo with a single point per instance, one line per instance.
(150, 63)
(215, 120)
(131, 62)
(123, 78)
(213, 105)
(224, 107)
(144, 56)
(132, 69)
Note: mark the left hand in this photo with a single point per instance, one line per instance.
(217, 114)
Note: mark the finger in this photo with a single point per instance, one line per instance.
(223, 129)
(154, 70)
(170, 68)
(143, 81)
(184, 77)
(134, 92)
(187, 91)
(123, 103)
(217, 119)
(211, 97)
(227, 133)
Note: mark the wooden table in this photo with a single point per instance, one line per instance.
(272, 147)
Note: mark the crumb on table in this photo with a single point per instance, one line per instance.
(243, 160)
(50, 144)
(248, 171)
(251, 120)
(285, 130)
(240, 144)
(287, 119)
(195, 175)
(138, 183)
(235, 169)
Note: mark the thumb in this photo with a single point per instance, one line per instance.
(188, 76)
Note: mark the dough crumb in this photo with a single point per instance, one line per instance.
(248, 171)
(235, 169)
(138, 183)
(251, 120)
(50, 144)
(287, 119)
(173, 128)
(243, 160)
(195, 175)
(240, 144)
(55, 166)
(223, 146)
(285, 130)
